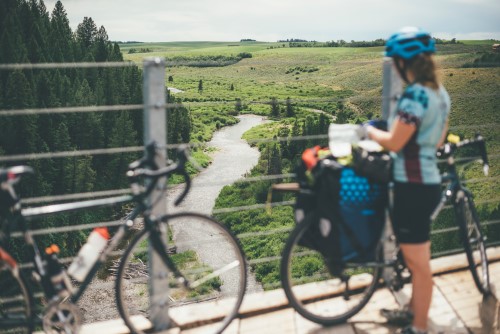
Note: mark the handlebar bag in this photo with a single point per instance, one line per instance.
(376, 166)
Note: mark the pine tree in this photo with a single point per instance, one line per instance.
(13, 46)
(274, 166)
(122, 135)
(101, 46)
(63, 166)
(275, 108)
(86, 34)
(19, 133)
(238, 106)
(61, 36)
(289, 108)
(294, 146)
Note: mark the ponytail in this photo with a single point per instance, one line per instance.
(424, 70)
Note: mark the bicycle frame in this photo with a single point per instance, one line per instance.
(29, 214)
(22, 217)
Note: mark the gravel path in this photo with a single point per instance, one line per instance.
(234, 158)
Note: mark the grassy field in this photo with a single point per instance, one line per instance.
(309, 76)
(323, 78)
(332, 80)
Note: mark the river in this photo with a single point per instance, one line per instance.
(231, 161)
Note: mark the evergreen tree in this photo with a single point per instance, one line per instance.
(61, 36)
(63, 166)
(19, 133)
(200, 86)
(274, 166)
(238, 106)
(289, 108)
(295, 147)
(86, 34)
(116, 54)
(102, 47)
(275, 108)
(13, 46)
(83, 175)
(123, 135)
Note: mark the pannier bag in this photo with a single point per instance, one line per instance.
(347, 210)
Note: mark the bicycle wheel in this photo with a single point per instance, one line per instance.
(206, 254)
(316, 293)
(473, 240)
(15, 301)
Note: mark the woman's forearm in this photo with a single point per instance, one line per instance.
(395, 139)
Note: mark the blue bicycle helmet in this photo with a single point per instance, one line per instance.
(409, 42)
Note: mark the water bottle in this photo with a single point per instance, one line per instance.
(89, 253)
(59, 280)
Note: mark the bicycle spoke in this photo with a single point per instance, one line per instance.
(212, 283)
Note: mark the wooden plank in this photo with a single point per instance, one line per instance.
(369, 320)
(233, 328)
(116, 326)
(442, 316)
(260, 302)
(281, 321)
(382, 298)
(455, 290)
(201, 313)
(479, 314)
(459, 261)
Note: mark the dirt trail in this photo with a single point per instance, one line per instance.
(234, 157)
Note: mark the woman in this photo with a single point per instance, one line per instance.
(417, 128)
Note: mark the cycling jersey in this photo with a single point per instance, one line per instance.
(428, 110)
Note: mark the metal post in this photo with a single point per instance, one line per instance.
(392, 87)
(155, 128)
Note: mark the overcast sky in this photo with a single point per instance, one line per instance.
(271, 20)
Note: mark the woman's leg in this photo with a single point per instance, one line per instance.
(417, 258)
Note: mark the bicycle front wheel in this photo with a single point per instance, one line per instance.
(206, 254)
(473, 241)
(320, 294)
(15, 301)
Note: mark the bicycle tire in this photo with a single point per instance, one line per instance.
(196, 238)
(473, 241)
(317, 294)
(16, 303)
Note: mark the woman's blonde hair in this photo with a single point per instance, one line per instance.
(424, 70)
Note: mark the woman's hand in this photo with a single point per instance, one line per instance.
(394, 140)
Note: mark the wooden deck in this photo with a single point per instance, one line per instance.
(457, 307)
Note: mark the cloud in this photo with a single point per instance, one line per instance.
(169, 20)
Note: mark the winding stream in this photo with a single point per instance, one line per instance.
(233, 158)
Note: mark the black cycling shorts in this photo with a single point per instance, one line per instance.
(413, 206)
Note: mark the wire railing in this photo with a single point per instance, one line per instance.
(218, 211)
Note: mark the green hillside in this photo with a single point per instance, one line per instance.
(345, 82)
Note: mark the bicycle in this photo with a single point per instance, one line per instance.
(330, 297)
(192, 277)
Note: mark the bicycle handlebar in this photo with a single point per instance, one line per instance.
(146, 167)
(448, 149)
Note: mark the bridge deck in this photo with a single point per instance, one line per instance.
(457, 307)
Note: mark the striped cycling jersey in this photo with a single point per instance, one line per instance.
(428, 110)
